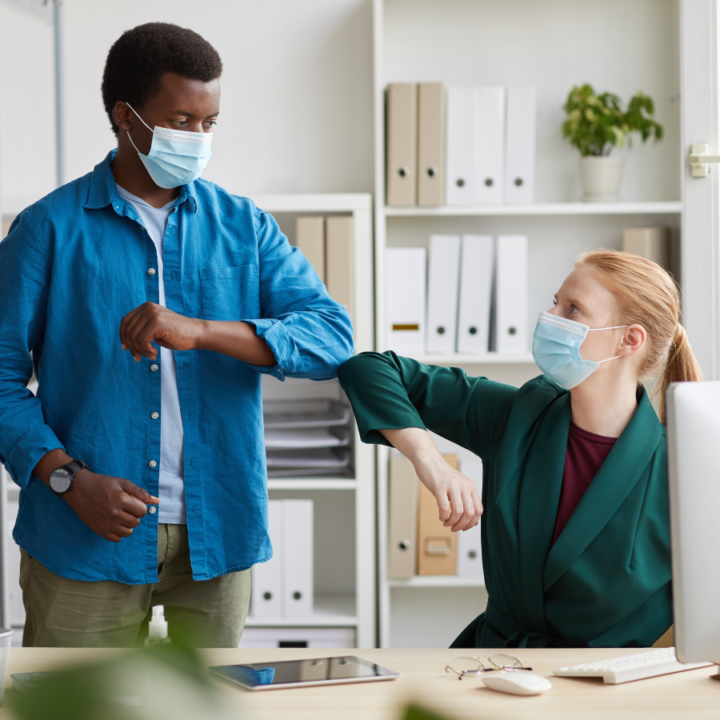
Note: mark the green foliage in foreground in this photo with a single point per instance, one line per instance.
(416, 713)
(597, 123)
(167, 682)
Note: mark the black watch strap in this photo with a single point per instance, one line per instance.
(75, 466)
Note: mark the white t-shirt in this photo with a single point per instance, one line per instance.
(172, 482)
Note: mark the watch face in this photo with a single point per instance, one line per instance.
(60, 480)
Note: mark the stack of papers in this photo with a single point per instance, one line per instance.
(307, 438)
(304, 414)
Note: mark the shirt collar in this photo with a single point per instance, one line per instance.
(103, 190)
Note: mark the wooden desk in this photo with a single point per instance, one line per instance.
(690, 694)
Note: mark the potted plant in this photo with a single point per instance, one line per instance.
(597, 123)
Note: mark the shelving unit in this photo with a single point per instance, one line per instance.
(485, 43)
(344, 507)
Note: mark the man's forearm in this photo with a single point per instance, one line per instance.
(49, 462)
(237, 340)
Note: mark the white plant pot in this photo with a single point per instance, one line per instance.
(601, 177)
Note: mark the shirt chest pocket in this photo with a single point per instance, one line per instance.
(230, 293)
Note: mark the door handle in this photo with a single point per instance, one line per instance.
(699, 159)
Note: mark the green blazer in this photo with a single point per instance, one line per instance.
(606, 580)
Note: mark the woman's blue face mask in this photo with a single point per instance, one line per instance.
(556, 349)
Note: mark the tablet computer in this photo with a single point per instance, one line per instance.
(303, 673)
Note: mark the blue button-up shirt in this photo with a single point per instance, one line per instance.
(73, 265)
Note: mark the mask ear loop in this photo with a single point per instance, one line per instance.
(142, 121)
(614, 327)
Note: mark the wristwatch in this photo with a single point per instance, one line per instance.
(61, 480)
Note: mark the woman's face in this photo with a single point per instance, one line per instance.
(584, 299)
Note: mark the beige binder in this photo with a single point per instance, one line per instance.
(401, 144)
(310, 239)
(431, 144)
(652, 243)
(437, 545)
(402, 533)
(339, 263)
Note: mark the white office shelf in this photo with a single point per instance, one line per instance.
(578, 208)
(329, 611)
(311, 484)
(438, 581)
(356, 609)
(458, 43)
(484, 359)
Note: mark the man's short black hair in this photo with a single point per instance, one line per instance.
(141, 56)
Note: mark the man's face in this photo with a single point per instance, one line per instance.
(182, 104)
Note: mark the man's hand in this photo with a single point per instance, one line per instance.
(111, 507)
(151, 322)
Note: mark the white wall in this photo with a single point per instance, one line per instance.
(27, 108)
(296, 112)
(296, 109)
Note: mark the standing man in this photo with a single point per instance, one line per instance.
(151, 301)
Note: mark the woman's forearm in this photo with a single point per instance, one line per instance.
(416, 445)
(457, 497)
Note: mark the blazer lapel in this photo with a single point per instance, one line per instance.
(617, 476)
(538, 503)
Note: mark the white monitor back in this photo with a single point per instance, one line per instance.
(693, 442)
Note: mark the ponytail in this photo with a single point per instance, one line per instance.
(647, 295)
(681, 366)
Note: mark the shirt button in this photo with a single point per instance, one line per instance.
(152, 463)
(155, 415)
(151, 271)
(154, 368)
(152, 509)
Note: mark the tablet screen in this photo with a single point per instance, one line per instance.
(313, 671)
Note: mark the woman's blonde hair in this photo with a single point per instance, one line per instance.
(647, 295)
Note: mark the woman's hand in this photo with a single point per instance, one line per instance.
(457, 496)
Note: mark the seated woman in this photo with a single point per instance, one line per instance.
(575, 535)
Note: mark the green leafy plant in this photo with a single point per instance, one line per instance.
(597, 123)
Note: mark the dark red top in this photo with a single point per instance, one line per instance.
(585, 453)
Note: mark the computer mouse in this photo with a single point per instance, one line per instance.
(516, 682)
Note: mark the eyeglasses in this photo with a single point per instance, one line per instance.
(463, 666)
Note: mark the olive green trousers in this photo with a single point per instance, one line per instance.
(75, 613)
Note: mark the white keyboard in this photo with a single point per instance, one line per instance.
(631, 667)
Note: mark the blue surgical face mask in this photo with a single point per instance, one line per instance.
(176, 157)
(556, 349)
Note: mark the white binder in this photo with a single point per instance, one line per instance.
(490, 145)
(267, 578)
(406, 281)
(520, 146)
(469, 558)
(511, 298)
(298, 559)
(460, 155)
(443, 281)
(476, 270)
